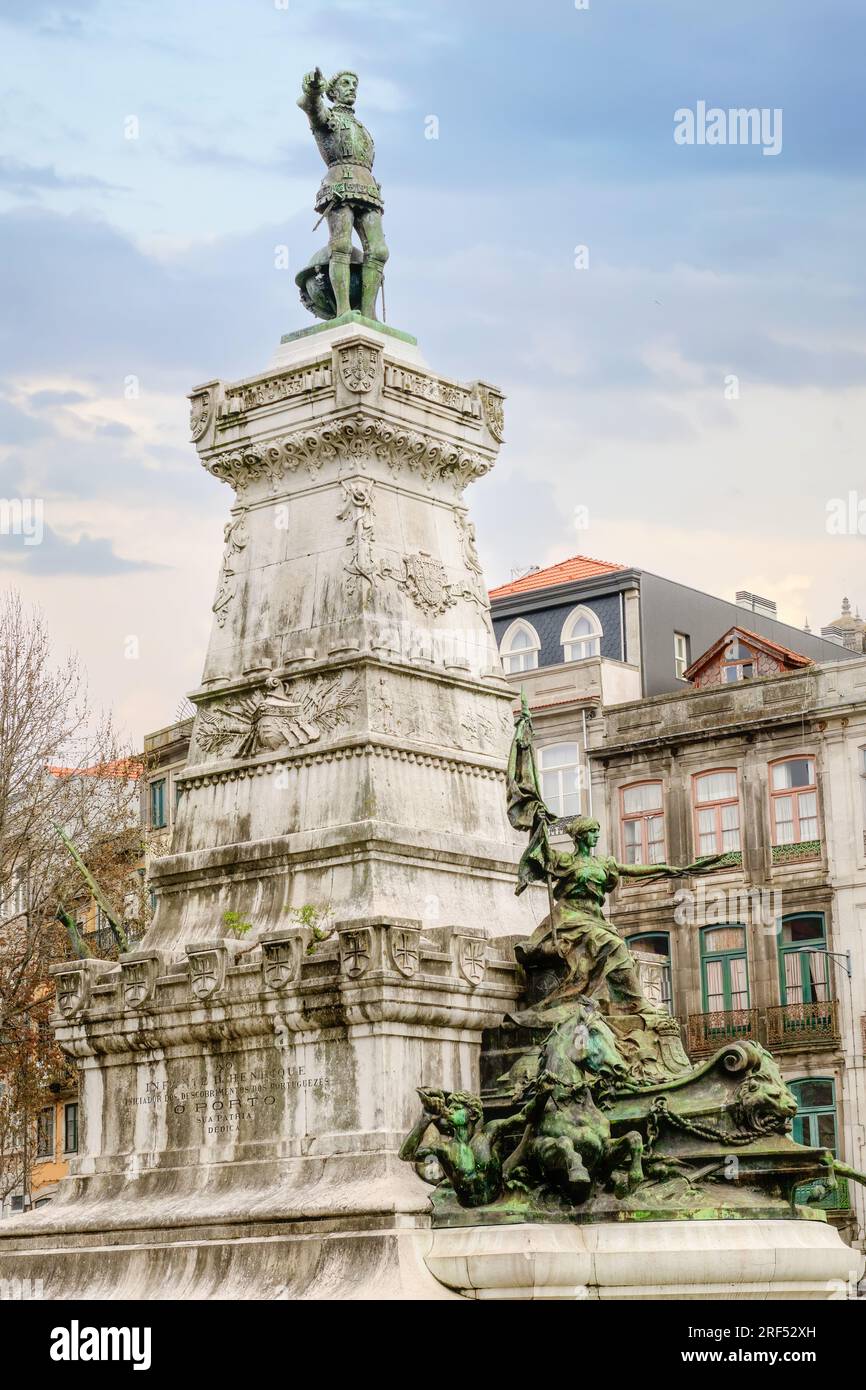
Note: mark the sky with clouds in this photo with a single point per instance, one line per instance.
(151, 260)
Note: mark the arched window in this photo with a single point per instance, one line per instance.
(581, 635)
(654, 974)
(794, 801)
(519, 647)
(739, 662)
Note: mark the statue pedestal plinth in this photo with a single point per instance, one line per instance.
(647, 1261)
(243, 1102)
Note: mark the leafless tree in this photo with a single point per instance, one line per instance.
(62, 769)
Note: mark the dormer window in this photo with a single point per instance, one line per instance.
(519, 648)
(739, 662)
(581, 635)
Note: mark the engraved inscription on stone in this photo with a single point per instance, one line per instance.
(233, 1098)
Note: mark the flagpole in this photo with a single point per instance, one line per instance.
(551, 906)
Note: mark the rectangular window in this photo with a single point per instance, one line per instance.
(717, 809)
(805, 977)
(681, 654)
(794, 801)
(654, 974)
(104, 934)
(643, 823)
(559, 769)
(70, 1128)
(15, 904)
(815, 1121)
(725, 969)
(45, 1133)
(157, 804)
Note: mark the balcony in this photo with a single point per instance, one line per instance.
(813, 1194)
(706, 1033)
(803, 1025)
(793, 854)
(785, 1027)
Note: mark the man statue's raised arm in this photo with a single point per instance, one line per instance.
(312, 100)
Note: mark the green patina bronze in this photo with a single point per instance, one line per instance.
(601, 1116)
(466, 1150)
(341, 277)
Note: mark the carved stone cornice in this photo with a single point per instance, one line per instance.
(439, 391)
(356, 438)
(376, 746)
(299, 383)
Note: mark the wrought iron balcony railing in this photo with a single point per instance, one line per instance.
(780, 1028)
(803, 1025)
(837, 1198)
(708, 1032)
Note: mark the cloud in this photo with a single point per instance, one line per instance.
(48, 399)
(57, 555)
(16, 427)
(48, 17)
(17, 177)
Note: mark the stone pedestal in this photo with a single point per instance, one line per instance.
(653, 1260)
(353, 722)
(243, 1099)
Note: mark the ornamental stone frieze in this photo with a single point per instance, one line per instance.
(242, 984)
(357, 439)
(282, 714)
(351, 402)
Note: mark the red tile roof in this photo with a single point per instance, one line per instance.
(578, 567)
(129, 768)
(785, 654)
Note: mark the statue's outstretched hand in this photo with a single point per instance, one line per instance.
(314, 81)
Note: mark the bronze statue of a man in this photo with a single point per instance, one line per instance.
(349, 195)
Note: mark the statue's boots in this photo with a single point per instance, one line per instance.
(340, 269)
(371, 282)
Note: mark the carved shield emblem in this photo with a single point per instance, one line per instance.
(494, 413)
(472, 959)
(206, 973)
(200, 407)
(405, 950)
(281, 960)
(358, 367)
(427, 582)
(136, 983)
(71, 993)
(355, 952)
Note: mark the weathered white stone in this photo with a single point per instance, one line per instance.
(647, 1260)
(243, 1100)
(353, 724)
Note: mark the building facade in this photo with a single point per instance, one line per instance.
(165, 753)
(768, 943)
(641, 627)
